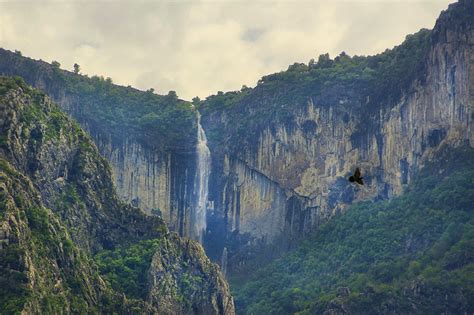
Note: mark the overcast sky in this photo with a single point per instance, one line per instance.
(201, 47)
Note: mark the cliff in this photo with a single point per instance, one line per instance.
(282, 152)
(148, 139)
(183, 280)
(411, 254)
(60, 212)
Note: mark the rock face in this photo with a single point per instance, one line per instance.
(41, 269)
(293, 175)
(158, 180)
(59, 208)
(189, 275)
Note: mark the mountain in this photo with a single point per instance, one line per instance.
(281, 152)
(413, 254)
(410, 255)
(148, 139)
(65, 236)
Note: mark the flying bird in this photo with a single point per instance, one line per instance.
(356, 177)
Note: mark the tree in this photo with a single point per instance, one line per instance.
(342, 57)
(196, 100)
(324, 61)
(55, 64)
(244, 88)
(172, 95)
(77, 68)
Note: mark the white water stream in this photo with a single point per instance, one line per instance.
(201, 186)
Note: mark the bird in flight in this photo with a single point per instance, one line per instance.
(356, 177)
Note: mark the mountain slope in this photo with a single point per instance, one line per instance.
(40, 267)
(412, 254)
(161, 122)
(59, 209)
(282, 151)
(148, 139)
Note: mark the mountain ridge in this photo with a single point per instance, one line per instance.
(282, 151)
(59, 209)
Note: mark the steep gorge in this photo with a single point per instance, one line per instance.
(60, 214)
(281, 151)
(278, 179)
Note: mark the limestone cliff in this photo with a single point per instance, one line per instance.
(288, 172)
(59, 208)
(281, 152)
(148, 139)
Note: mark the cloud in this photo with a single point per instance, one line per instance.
(201, 47)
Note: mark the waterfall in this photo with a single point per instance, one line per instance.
(201, 186)
(224, 261)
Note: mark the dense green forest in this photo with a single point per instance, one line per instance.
(411, 254)
(160, 122)
(125, 268)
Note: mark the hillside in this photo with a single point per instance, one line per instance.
(160, 122)
(280, 152)
(65, 235)
(148, 139)
(413, 254)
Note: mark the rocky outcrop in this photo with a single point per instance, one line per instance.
(59, 208)
(41, 268)
(66, 169)
(184, 281)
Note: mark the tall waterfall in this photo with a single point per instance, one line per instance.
(201, 186)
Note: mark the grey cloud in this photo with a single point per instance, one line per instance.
(252, 34)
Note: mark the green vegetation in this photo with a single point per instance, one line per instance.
(370, 82)
(161, 122)
(125, 268)
(13, 279)
(34, 114)
(412, 254)
(7, 84)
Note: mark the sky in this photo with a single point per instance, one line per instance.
(197, 48)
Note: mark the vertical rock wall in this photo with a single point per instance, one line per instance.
(296, 175)
(159, 183)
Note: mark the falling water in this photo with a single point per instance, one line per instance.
(224, 261)
(201, 187)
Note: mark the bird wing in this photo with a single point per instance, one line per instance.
(357, 173)
(359, 181)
